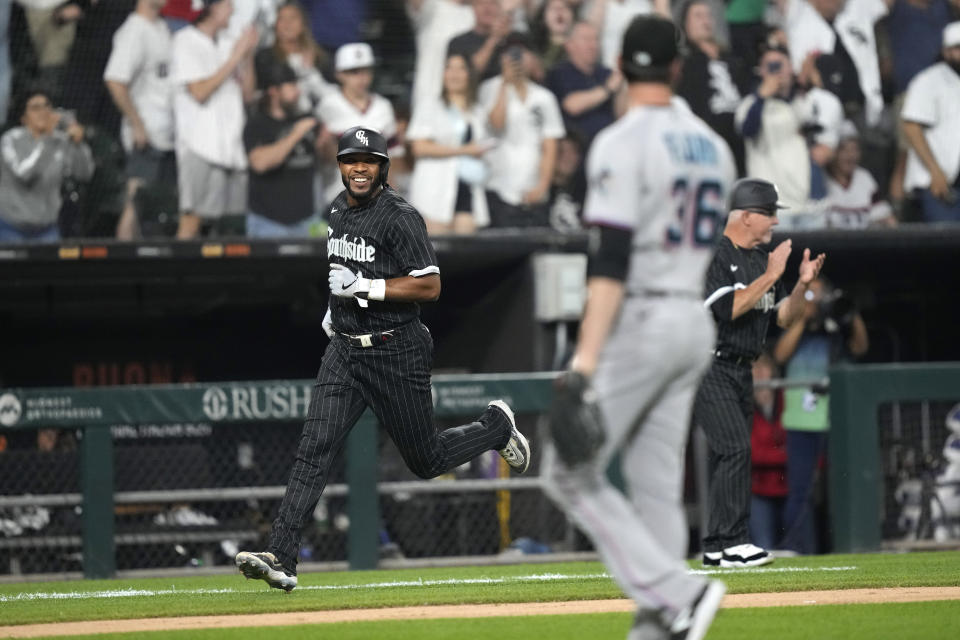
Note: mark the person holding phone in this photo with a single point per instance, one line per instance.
(527, 121)
(47, 148)
(789, 133)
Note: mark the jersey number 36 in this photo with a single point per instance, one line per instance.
(699, 213)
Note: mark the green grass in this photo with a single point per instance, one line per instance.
(583, 581)
(926, 620)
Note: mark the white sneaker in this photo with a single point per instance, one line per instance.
(517, 451)
(692, 622)
(745, 555)
(264, 566)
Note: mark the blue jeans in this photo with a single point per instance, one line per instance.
(262, 227)
(766, 520)
(10, 234)
(803, 453)
(936, 210)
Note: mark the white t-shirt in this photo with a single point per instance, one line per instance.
(856, 206)
(339, 114)
(436, 23)
(933, 100)
(670, 189)
(808, 32)
(212, 130)
(616, 18)
(140, 59)
(515, 162)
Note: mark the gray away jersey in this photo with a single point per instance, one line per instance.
(664, 175)
(385, 238)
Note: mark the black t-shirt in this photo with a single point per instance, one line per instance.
(735, 268)
(469, 43)
(285, 193)
(564, 79)
(384, 238)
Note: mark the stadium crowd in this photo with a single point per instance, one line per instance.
(151, 118)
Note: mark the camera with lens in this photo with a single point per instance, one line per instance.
(835, 312)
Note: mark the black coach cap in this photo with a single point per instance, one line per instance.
(757, 195)
(650, 43)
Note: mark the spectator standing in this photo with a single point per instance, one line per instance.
(52, 25)
(354, 105)
(486, 42)
(611, 18)
(212, 78)
(829, 329)
(591, 96)
(931, 125)
(712, 80)
(526, 118)
(435, 23)
(138, 78)
(853, 197)
(449, 139)
(773, 121)
(294, 45)
(839, 34)
(281, 142)
(915, 28)
(37, 157)
(768, 457)
(550, 29)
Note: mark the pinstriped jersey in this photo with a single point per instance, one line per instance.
(661, 173)
(384, 238)
(735, 268)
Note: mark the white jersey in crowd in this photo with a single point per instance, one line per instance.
(808, 32)
(436, 22)
(140, 59)
(339, 114)
(617, 16)
(663, 174)
(213, 130)
(933, 100)
(515, 161)
(857, 205)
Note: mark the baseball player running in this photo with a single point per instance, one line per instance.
(658, 179)
(381, 267)
(743, 288)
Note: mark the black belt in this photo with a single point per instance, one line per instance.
(734, 358)
(367, 340)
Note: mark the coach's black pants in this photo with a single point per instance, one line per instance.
(393, 379)
(724, 408)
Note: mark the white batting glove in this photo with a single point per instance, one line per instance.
(347, 284)
(327, 324)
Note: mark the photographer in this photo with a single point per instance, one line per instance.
(38, 156)
(830, 330)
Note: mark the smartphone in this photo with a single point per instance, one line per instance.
(515, 53)
(774, 66)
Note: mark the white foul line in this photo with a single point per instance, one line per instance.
(539, 577)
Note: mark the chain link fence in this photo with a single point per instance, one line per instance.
(192, 495)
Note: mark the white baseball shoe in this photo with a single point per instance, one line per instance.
(517, 451)
(693, 621)
(264, 566)
(745, 555)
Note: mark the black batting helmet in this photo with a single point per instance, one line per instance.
(365, 140)
(754, 194)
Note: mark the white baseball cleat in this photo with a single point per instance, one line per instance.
(264, 566)
(745, 555)
(517, 451)
(693, 621)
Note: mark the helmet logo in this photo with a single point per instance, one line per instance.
(362, 137)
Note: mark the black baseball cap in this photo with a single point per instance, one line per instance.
(650, 44)
(274, 74)
(754, 194)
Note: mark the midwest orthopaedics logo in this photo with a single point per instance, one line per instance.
(10, 410)
(270, 402)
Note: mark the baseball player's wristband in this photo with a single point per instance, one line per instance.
(378, 289)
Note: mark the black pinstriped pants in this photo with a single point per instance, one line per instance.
(394, 380)
(724, 408)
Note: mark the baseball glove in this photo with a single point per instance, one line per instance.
(576, 425)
